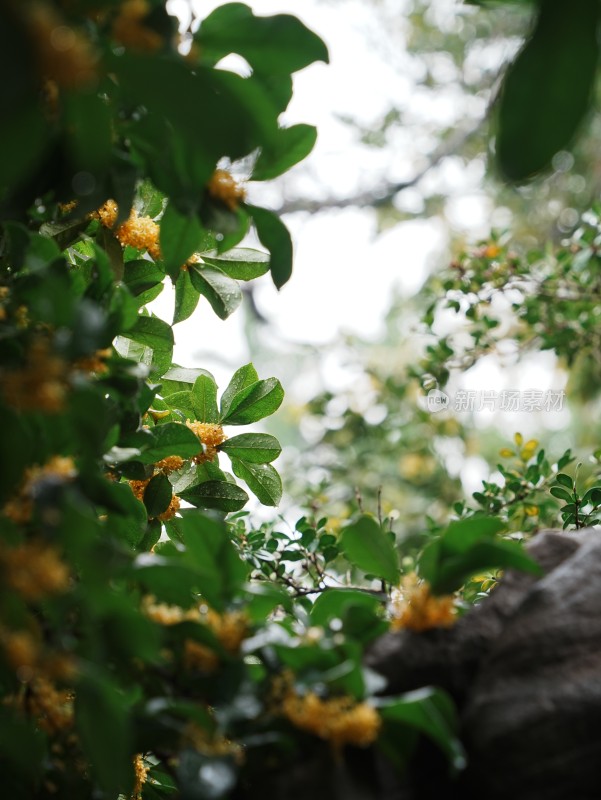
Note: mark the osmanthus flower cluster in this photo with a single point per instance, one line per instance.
(340, 720)
(414, 607)
(174, 455)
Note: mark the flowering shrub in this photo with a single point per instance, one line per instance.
(144, 649)
(153, 641)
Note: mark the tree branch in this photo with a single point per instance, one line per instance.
(382, 195)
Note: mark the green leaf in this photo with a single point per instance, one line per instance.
(262, 479)
(171, 580)
(453, 570)
(459, 536)
(180, 237)
(291, 146)
(263, 598)
(157, 495)
(170, 439)
(565, 480)
(221, 291)
(274, 235)
(211, 551)
(88, 131)
(22, 748)
(240, 263)
(178, 379)
(177, 98)
(548, 88)
(592, 495)
(64, 232)
(232, 225)
(431, 712)
(566, 458)
(241, 379)
(17, 447)
(152, 332)
(222, 495)
(25, 142)
(276, 44)
(151, 201)
(333, 603)
(101, 716)
(449, 560)
(204, 400)
(368, 547)
(561, 493)
(256, 448)
(254, 402)
(142, 275)
(123, 309)
(181, 401)
(123, 177)
(186, 297)
(278, 86)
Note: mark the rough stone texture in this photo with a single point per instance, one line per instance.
(525, 670)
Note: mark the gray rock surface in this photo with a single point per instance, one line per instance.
(525, 670)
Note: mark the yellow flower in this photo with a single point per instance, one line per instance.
(52, 707)
(21, 650)
(22, 317)
(129, 28)
(34, 570)
(338, 720)
(492, 251)
(531, 511)
(415, 608)
(20, 507)
(416, 465)
(211, 744)
(231, 628)
(64, 54)
(142, 233)
(94, 363)
(169, 464)
(41, 384)
(223, 187)
(165, 614)
(140, 774)
(199, 656)
(211, 436)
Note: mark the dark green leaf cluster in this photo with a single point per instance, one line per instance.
(116, 103)
(548, 88)
(579, 511)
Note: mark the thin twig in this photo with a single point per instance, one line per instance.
(382, 195)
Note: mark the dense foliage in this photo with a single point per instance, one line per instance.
(154, 641)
